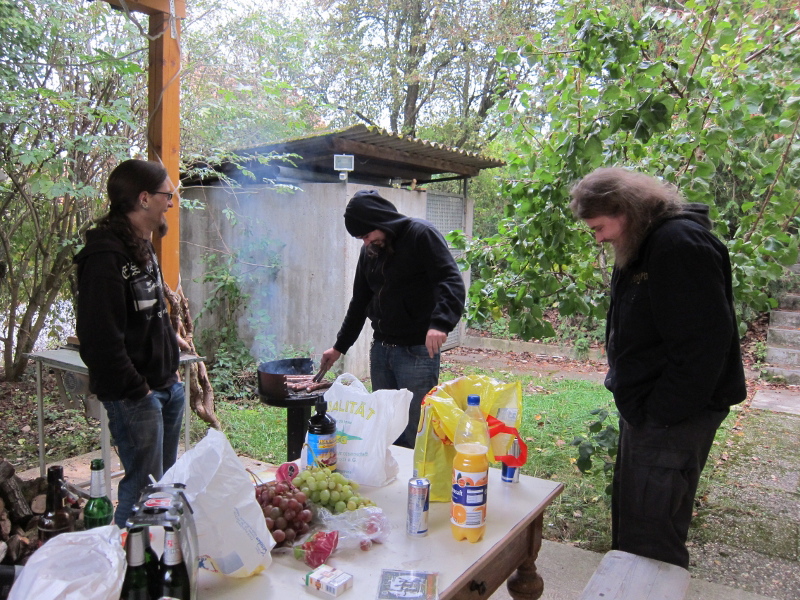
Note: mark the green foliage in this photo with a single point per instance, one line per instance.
(69, 107)
(708, 99)
(602, 443)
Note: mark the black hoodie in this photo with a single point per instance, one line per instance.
(672, 334)
(126, 339)
(412, 286)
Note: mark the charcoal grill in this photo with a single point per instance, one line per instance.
(273, 391)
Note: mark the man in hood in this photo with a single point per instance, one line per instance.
(126, 339)
(675, 364)
(409, 286)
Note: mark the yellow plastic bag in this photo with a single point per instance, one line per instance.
(442, 408)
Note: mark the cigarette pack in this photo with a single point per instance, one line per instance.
(328, 582)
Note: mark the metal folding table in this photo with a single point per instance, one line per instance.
(68, 359)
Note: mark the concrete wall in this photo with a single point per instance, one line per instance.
(307, 295)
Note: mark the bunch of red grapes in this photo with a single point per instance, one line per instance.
(286, 510)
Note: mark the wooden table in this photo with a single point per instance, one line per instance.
(508, 550)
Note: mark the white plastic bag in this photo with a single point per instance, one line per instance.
(366, 426)
(81, 565)
(232, 535)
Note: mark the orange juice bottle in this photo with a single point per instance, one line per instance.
(470, 474)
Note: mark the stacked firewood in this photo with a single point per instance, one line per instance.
(21, 502)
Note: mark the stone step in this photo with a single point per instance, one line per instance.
(791, 376)
(790, 302)
(783, 337)
(785, 318)
(783, 357)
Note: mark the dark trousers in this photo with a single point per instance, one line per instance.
(397, 367)
(655, 481)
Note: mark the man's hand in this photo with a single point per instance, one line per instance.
(330, 356)
(434, 341)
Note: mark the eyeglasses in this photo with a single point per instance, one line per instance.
(169, 195)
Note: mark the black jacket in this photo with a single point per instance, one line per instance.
(126, 339)
(413, 287)
(671, 335)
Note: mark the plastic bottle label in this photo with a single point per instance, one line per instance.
(469, 498)
(322, 450)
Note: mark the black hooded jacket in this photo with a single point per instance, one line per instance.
(410, 287)
(126, 339)
(671, 335)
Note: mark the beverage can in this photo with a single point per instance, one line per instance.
(511, 474)
(419, 491)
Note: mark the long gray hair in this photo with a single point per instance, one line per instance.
(613, 191)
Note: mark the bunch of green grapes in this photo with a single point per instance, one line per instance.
(330, 489)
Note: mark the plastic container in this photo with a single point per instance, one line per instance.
(470, 474)
(320, 449)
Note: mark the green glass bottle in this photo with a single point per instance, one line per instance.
(152, 564)
(135, 586)
(98, 511)
(174, 574)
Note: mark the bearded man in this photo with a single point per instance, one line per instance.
(675, 364)
(408, 284)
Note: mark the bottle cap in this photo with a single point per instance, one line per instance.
(473, 400)
(97, 464)
(55, 473)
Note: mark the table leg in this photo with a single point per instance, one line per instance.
(40, 415)
(187, 408)
(105, 447)
(296, 426)
(526, 583)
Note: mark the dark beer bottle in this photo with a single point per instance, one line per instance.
(98, 511)
(135, 586)
(57, 518)
(174, 574)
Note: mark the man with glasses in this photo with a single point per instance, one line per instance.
(126, 339)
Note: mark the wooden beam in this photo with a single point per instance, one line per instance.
(151, 7)
(163, 131)
(342, 146)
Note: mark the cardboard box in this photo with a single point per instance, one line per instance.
(327, 582)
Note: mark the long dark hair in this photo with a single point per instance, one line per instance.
(612, 191)
(129, 179)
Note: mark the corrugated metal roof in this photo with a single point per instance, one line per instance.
(379, 144)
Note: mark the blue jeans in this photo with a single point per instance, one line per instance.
(397, 367)
(146, 433)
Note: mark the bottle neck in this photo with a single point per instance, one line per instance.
(54, 500)
(134, 548)
(172, 548)
(97, 485)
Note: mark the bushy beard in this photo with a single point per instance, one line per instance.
(375, 250)
(626, 249)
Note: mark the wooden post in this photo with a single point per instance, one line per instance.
(163, 132)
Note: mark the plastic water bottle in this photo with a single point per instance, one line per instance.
(470, 474)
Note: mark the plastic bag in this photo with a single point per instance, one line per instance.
(442, 408)
(232, 534)
(355, 530)
(82, 565)
(366, 426)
